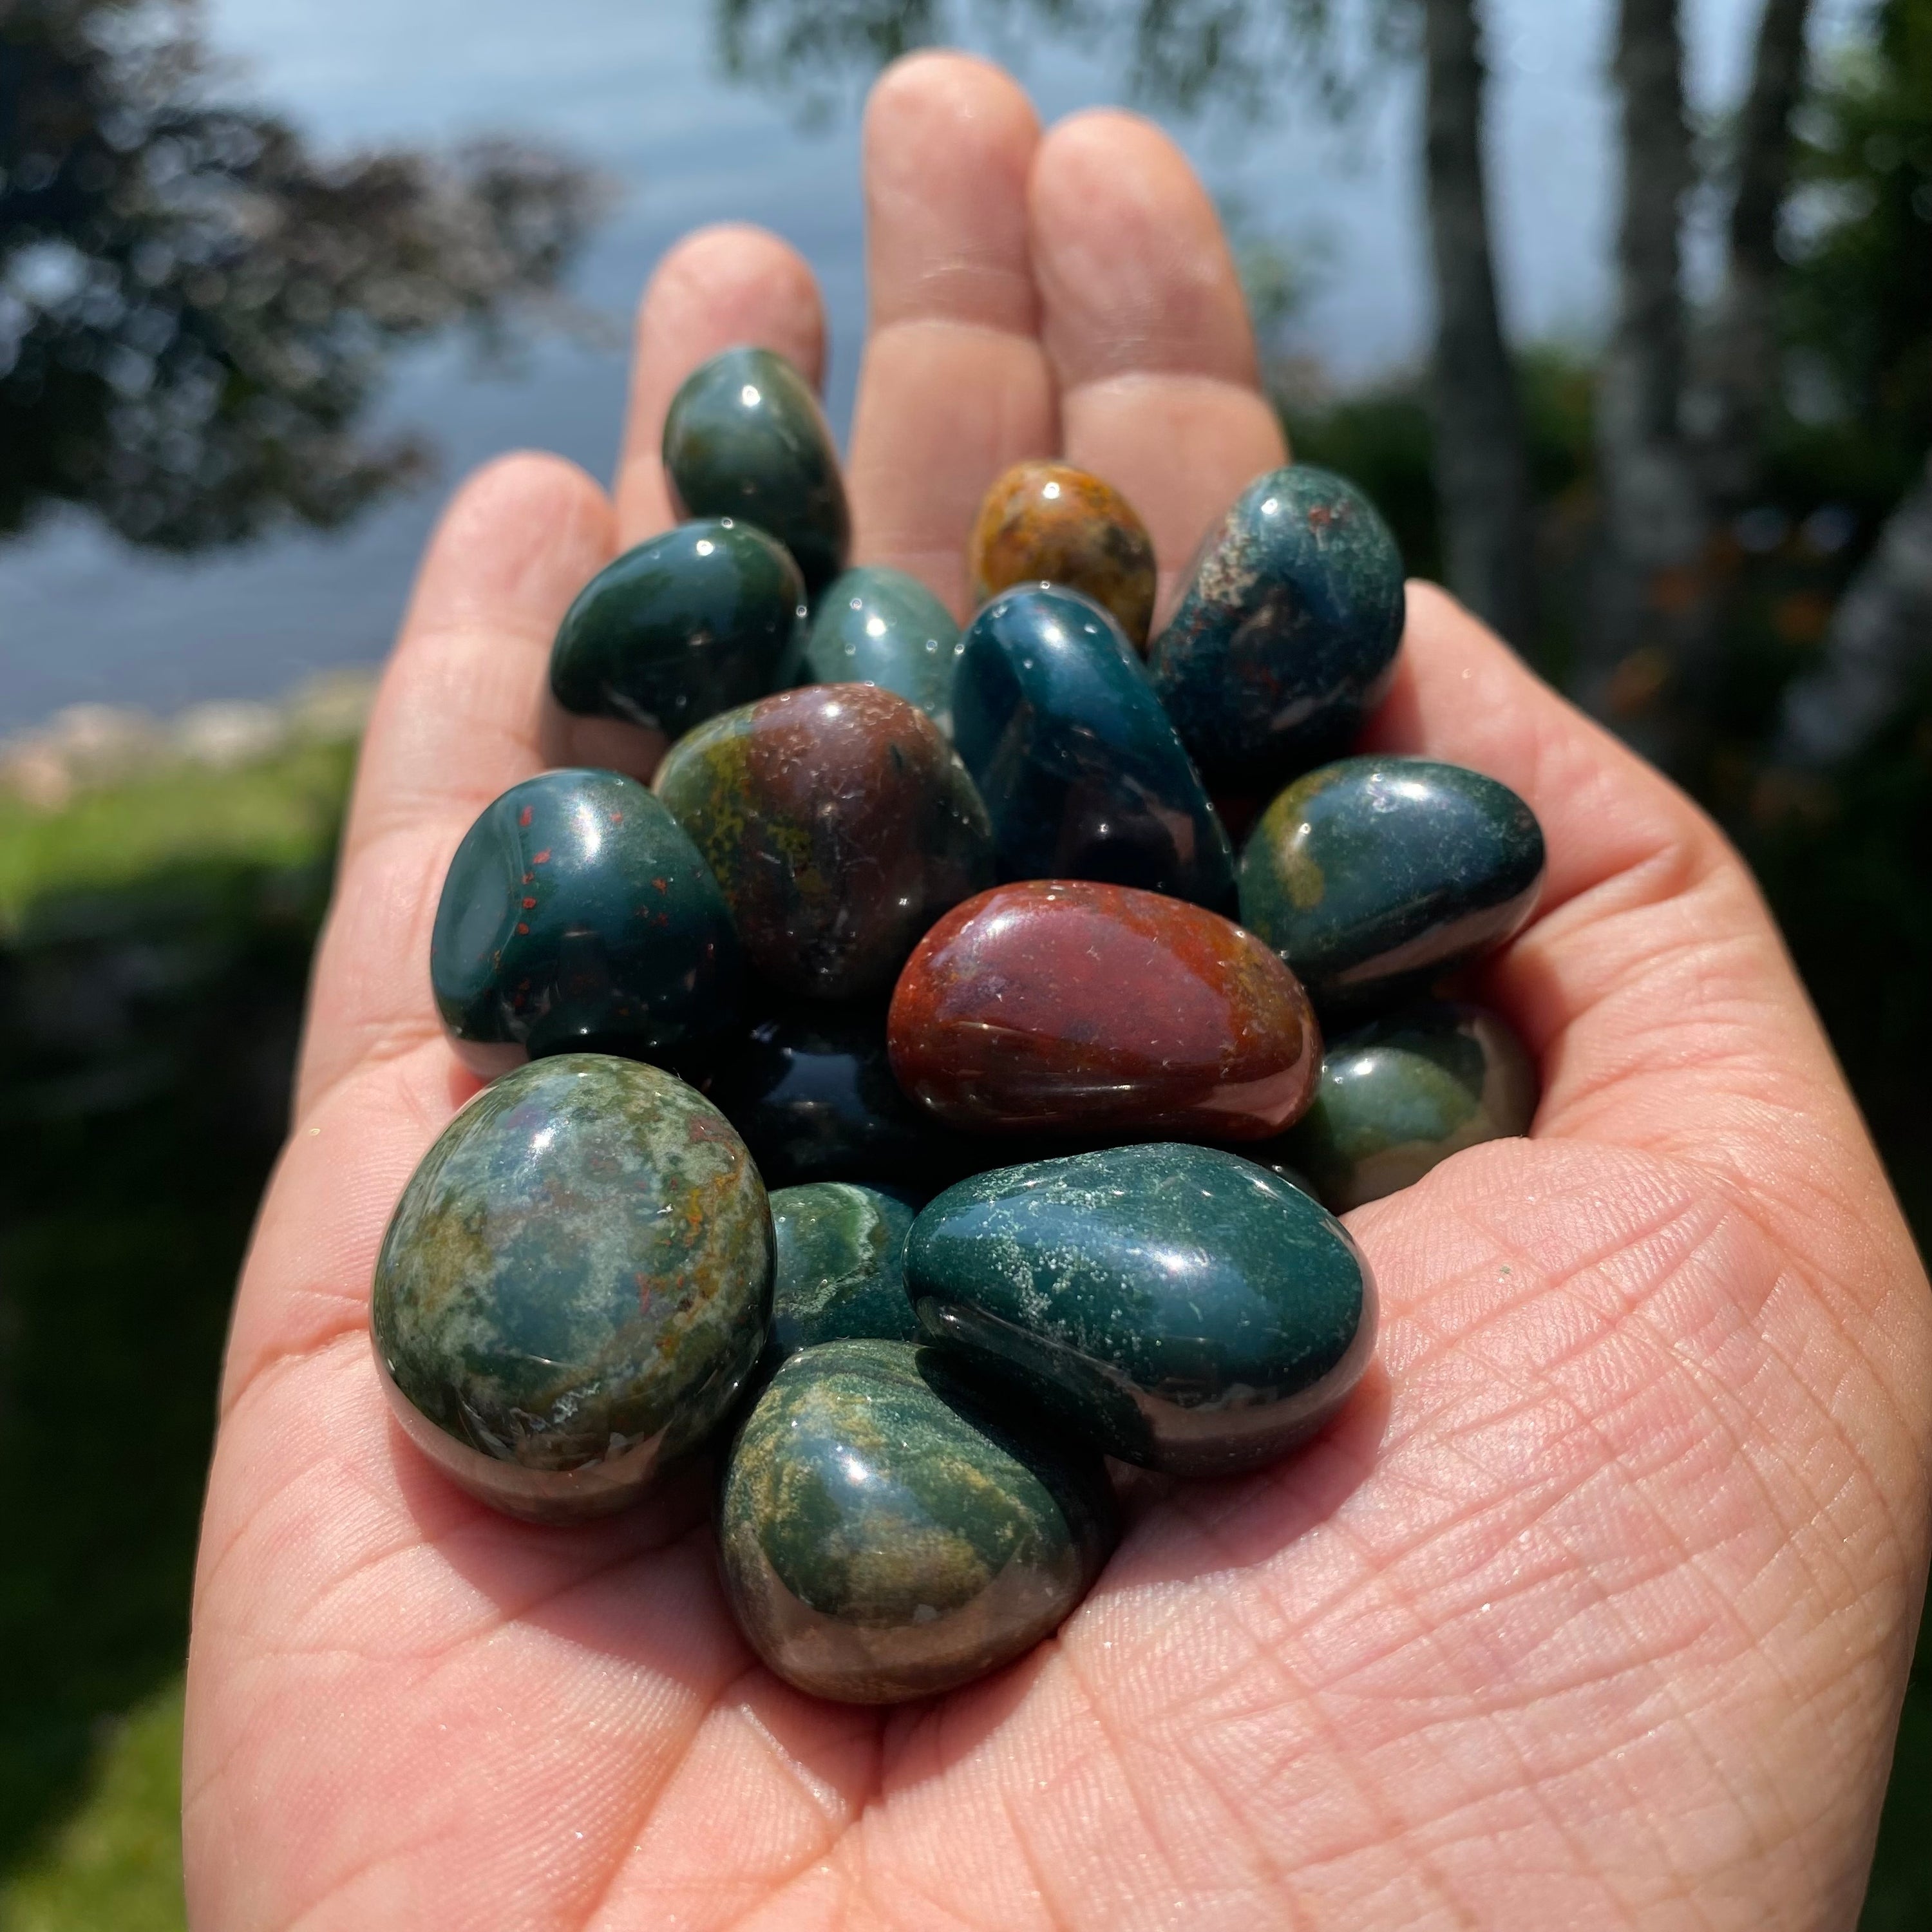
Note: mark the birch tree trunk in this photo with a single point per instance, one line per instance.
(1735, 378)
(1482, 465)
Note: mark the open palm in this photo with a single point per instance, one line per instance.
(1594, 1609)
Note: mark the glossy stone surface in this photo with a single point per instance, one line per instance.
(1285, 635)
(683, 627)
(578, 915)
(1399, 1096)
(1178, 1306)
(745, 437)
(840, 1273)
(575, 1285)
(1068, 1007)
(1374, 876)
(885, 1534)
(1046, 522)
(812, 1092)
(880, 626)
(840, 825)
(1080, 770)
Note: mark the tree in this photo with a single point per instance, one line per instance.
(195, 310)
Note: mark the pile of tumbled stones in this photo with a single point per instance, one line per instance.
(934, 936)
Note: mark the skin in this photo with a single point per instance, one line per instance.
(1594, 1609)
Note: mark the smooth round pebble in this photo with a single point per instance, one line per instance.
(876, 626)
(841, 1271)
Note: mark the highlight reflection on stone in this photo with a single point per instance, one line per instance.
(840, 1273)
(875, 625)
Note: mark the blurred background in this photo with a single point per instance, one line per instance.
(1622, 309)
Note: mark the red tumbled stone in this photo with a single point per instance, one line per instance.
(1068, 1006)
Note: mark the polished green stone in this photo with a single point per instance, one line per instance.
(841, 1268)
(575, 1285)
(578, 915)
(1285, 635)
(1178, 1306)
(840, 824)
(745, 437)
(1374, 876)
(875, 626)
(885, 1534)
(1399, 1096)
(679, 629)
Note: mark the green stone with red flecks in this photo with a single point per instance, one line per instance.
(578, 915)
(575, 1285)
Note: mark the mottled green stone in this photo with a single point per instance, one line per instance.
(577, 916)
(575, 1285)
(875, 625)
(1399, 1096)
(745, 437)
(679, 629)
(1178, 1306)
(1285, 635)
(1374, 876)
(841, 1268)
(885, 1534)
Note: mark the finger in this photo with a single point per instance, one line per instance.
(456, 721)
(1146, 328)
(954, 387)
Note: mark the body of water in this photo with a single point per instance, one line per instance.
(634, 87)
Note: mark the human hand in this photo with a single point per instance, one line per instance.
(1594, 1609)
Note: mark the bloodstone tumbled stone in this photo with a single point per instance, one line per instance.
(1399, 1096)
(1067, 1007)
(1373, 877)
(684, 626)
(1285, 635)
(811, 1090)
(575, 1285)
(840, 825)
(875, 625)
(1046, 522)
(1080, 769)
(841, 1272)
(577, 915)
(885, 1534)
(1178, 1306)
(745, 437)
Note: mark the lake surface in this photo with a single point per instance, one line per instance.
(634, 86)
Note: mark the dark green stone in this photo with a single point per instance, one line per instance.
(1400, 1095)
(684, 626)
(1286, 633)
(1080, 770)
(841, 1270)
(575, 1285)
(578, 915)
(1178, 1306)
(880, 626)
(885, 1534)
(1374, 876)
(745, 437)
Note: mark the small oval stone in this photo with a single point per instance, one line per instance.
(679, 629)
(1285, 636)
(875, 625)
(1374, 876)
(1082, 771)
(812, 1092)
(577, 916)
(1047, 522)
(841, 1271)
(886, 1535)
(1067, 1007)
(1178, 1306)
(745, 437)
(840, 825)
(575, 1285)
(1399, 1096)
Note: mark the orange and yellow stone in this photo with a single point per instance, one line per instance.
(1048, 523)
